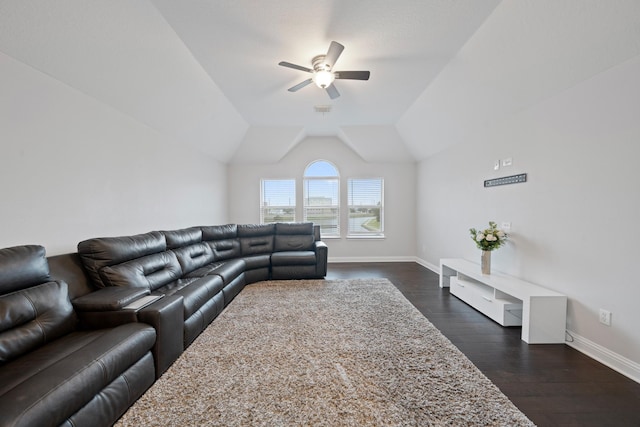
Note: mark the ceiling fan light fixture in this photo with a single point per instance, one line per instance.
(322, 74)
(323, 78)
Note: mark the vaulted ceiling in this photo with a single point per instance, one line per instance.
(205, 72)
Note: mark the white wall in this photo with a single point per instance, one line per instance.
(399, 203)
(575, 222)
(72, 168)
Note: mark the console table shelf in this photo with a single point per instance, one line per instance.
(508, 300)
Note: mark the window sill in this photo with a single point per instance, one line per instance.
(366, 237)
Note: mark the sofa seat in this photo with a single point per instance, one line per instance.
(196, 291)
(49, 385)
(203, 301)
(228, 270)
(257, 261)
(293, 258)
(293, 264)
(232, 273)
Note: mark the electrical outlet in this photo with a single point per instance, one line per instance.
(506, 226)
(605, 317)
(507, 162)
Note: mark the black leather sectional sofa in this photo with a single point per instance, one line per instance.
(83, 335)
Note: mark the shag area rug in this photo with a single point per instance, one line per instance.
(323, 353)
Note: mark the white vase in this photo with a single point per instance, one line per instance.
(485, 262)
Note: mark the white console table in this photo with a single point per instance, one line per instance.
(544, 312)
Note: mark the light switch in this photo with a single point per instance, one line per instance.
(496, 165)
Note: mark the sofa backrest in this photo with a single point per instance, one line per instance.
(188, 248)
(157, 258)
(35, 310)
(298, 236)
(183, 237)
(103, 252)
(192, 257)
(149, 272)
(223, 241)
(256, 239)
(22, 266)
(69, 268)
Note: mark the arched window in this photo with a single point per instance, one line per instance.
(321, 204)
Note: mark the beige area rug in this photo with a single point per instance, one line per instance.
(323, 353)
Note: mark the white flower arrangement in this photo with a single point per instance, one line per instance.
(489, 239)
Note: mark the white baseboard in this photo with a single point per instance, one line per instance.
(618, 363)
(372, 259)
(426, 264)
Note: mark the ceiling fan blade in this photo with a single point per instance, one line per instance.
(299, 85)
(335, 49)
(352, 75)
(332, 91)
(295, 67)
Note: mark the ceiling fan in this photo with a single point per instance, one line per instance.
(322, 74)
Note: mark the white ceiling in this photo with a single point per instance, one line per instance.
(205, 72)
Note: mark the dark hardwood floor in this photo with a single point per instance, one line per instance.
(553, 384)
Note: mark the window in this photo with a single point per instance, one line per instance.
(278, 200)
(322, 197)
(366, 214)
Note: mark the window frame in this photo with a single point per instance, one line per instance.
(293, 197)
(350, 205)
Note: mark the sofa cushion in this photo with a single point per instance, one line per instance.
(294, 242)
(194, 256)
(47, 386)
(219, 232)
(106, 251)
(256, 238)
(196, 291)
(228, 270)
(294, 272)
(293, 258)
(22, 266)
(225, 249)
(256, 245)
(283, 228)
(33, 317)
(150, 272)
(257, 261)
(294, 236)
(255, 230)
(184, 237)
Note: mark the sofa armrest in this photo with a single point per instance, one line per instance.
(108, 299)
(167, 318)
(106, 308)
(322, 253)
